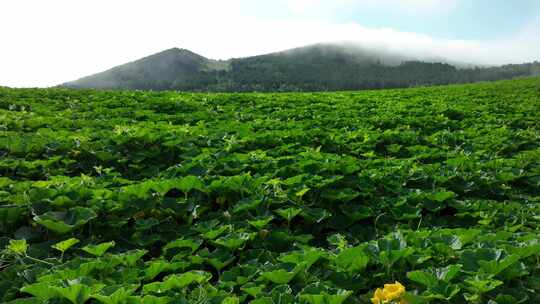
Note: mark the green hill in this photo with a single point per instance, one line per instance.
(319, 67)
(167, 197)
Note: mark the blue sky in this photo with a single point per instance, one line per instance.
(61, 40)
(472, 19)
(451, 19)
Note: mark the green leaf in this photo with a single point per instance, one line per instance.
(494, 267)
(156, 267)
(99, 249)
(212, 234)
(442, 196)
(253, 289)
(177, 282)
(150, 299)
(415, 299)
(246, 204)
(357, 212)
(325, 298)
(184, 243)
(289, 213)
(260, 223)
(424, 278)
(280, 276)
(302, 192)
(65, 245)
(115, 294)
(129, 258)
(315, 215)
(481, 285)
(18, 247)
(231, 300)
(189, 183)
(352, 260)
(64, 222)
(234, 241)
(447, 273)
(342, 195)
(77, 293)
(42, 291)
(308, 257)
(220, 258)
(317, 293)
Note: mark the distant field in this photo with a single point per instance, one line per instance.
(320, 198)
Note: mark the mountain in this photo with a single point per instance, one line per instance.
(316, 67)
(160, 71)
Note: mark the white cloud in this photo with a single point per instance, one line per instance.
(405, 7)
(45, 43)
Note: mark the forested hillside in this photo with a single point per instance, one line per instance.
(314, 68)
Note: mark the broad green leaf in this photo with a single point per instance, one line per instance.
(184, 243)
(156, 267)
(317, 293)
(115, 295)
(352, 260)
(231, 300)
(189, 183)
(212, 234)
(302, 192)
(64, 222)
(77, 293)
(325, 298)
(246, 204)
(99, 249)
(18, 247)
(288, 213)
(447, 273)
(260, 223)
(342, 195)
(234, 241)
(427, 279)
(65, 245)
(42, 291)
(129, 258)
(253, 289)
(308, 257)
(220, 258)
(357, 212)
(177, 282)
(150, 299)
(482, 285)
(494, 267)
(282, 276)
(442, 196)
(315, 215)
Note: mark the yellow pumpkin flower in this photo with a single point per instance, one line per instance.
(378, 297)
(390, 292)
(394, 291)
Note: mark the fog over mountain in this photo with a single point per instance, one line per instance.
(318, 67)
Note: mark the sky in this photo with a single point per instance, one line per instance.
(45, 43)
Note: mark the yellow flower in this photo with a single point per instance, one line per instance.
(390, 292)
(393, 291)
(378, 297)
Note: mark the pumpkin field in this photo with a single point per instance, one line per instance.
(419, 195)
